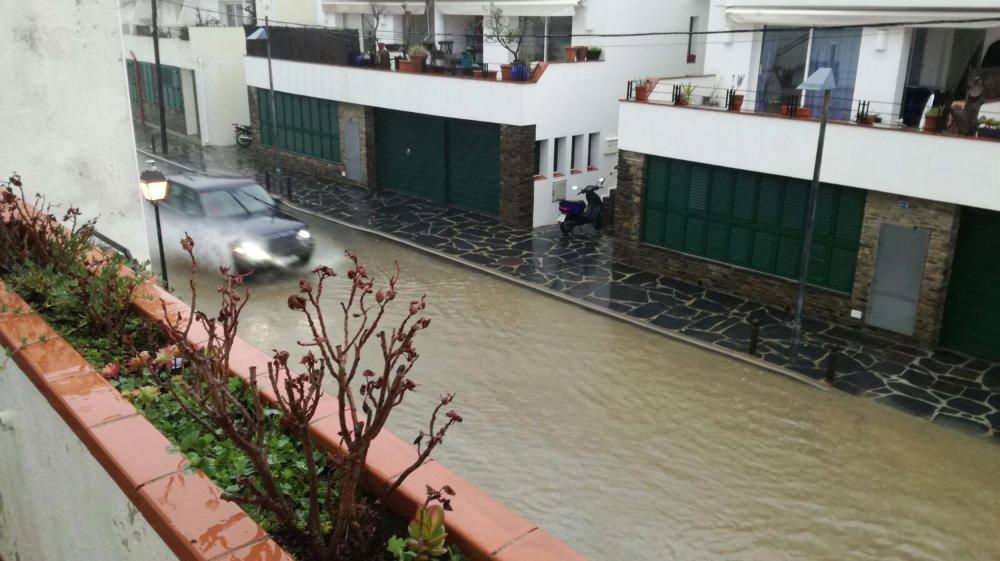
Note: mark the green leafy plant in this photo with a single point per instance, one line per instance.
(416, 50)
(508, 34)
(426, 533)
(935, 111)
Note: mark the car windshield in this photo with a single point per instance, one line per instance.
(231, 203)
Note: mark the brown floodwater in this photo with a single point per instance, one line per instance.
(628, 445)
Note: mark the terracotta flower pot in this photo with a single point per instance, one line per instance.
(415, 64)
(507, 72)
(581, 53)
(570, 54)
(804, 112)
(736, 103)
(932, 123)
(641, 93)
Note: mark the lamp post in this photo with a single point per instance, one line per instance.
(159, 80)
(264, 34)
(154, 185)
(820, 80)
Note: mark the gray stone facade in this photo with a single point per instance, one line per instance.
(517, 183)
(940, 219)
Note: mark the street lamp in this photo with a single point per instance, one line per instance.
(820, 80)
(154, 187)
(264, 34)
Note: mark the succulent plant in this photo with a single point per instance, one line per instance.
(427, 534)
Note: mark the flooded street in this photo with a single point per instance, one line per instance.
(629, 446)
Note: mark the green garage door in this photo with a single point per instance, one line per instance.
(446, 161)
(752, 220)
(474, 166)
(972, 310)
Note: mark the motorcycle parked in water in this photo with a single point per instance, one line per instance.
(578, 213)
(244, 134)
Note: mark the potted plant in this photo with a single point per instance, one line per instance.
(641, 89)
(570, 54)
(988, 128)
(594, 53)
(686, 94)
(934, 119)
(417, 56)
(581, 54)
(510, 37)
(865, 119)
(735, 99)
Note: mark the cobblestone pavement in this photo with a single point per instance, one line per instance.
(945, 387)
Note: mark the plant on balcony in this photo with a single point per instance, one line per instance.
(510, 36)
(988, 128)
(685, 94)
(417, 57)
(260, 453)
(641, 87)
(934, 119)
(594, 53)
(376, 14)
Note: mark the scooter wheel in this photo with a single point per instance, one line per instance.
(565, 227)
(243, 141)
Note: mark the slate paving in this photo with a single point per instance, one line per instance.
(945, 387)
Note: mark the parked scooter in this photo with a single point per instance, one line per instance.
(244, 134)
(578, 213)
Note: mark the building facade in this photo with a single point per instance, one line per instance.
(717, 193)
(202, 44)
(501, 148)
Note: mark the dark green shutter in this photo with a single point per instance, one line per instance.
(753, 220)
(306, 125)
(474, 166)
(972, 310)
(411, 154)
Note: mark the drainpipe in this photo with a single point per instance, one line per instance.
(138, 87)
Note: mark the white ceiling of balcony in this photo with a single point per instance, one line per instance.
(364, 7)
(843, 13)
(509, 7)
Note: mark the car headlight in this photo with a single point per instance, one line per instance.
(303, 234)
(252, 251)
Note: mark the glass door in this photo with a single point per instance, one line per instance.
(782, 67)
(837, 49)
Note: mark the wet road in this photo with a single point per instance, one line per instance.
(630, 446)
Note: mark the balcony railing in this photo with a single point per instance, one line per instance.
(704, 92)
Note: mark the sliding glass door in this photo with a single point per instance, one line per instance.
(837, 49)
(783, 66)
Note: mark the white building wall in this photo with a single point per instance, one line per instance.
(215, 56)
(941, 168)
(56, 501)
(882, 65)
(65, 112)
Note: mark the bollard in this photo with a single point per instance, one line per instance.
(288, 187)
(831, 364)
(267, 181)
(152, 140)
(754, 336)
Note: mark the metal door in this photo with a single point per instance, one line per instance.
(899, 270)
(352, 149)
(973, 304)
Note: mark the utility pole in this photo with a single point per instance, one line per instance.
(159, 79)
(275, 162)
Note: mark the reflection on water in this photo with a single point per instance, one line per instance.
(629, 446)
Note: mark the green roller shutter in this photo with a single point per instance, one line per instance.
(411, 154)
(306, 125)
(474, 166)
(752, 220)
(447, 161)
(973, 305)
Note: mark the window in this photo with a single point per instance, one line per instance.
(546, 37)
(594, 152)
(558, 158)
(752, 220)
(788, 56)
(576, 153)
(232, 13)
(306, 125)
(231, 203)
(538, 158)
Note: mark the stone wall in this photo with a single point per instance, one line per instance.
(517, 184)
(941, 221)
(761, 287)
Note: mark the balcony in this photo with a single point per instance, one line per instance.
(884, 156)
